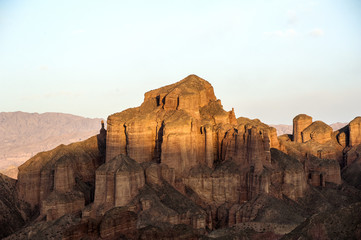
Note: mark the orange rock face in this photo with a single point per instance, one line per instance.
(355, 132)
(318, 131)
(320, 150)
(300, 122)
(177, 125)
(183, 126)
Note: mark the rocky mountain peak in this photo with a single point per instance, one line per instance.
(189, 94)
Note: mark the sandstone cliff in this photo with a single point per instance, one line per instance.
(180, 166)
(300, 122)
(214, 156)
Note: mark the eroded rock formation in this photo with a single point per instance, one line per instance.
(317, 131)
(118, 182)
(300, 122)
(180, 166)
(60, 181)
(318, 148)
(184, 127)
(355, 132)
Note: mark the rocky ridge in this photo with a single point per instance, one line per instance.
(180, 166)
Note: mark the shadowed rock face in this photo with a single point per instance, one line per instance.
(352, 171)
(343, 223)
(13, 212)
(117, 182)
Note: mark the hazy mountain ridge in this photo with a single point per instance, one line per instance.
(287, 129)
(25, 134)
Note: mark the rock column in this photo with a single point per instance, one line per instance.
(300, 122)
(355, 132)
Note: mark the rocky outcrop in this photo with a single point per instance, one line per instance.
(288, 177)
(355, 132)
(176, 125)
(321, 171)
(118, 222)
(55, 229)
(58, 204)
(264, 209)
(183, 126)
(54, 178)
(300, 122)
(304, 130)
(321, 151)
(317, 131)
(321, 161)
(117, 182)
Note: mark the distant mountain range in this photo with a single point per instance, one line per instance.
(25, 134)
(287, 129)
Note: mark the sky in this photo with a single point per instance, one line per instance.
(270, 59)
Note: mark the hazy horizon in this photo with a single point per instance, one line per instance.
(267, 60)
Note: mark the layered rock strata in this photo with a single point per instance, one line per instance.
(183, 126)
(118, 182)
(180, 162)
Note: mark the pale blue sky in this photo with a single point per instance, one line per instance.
(268, 59)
